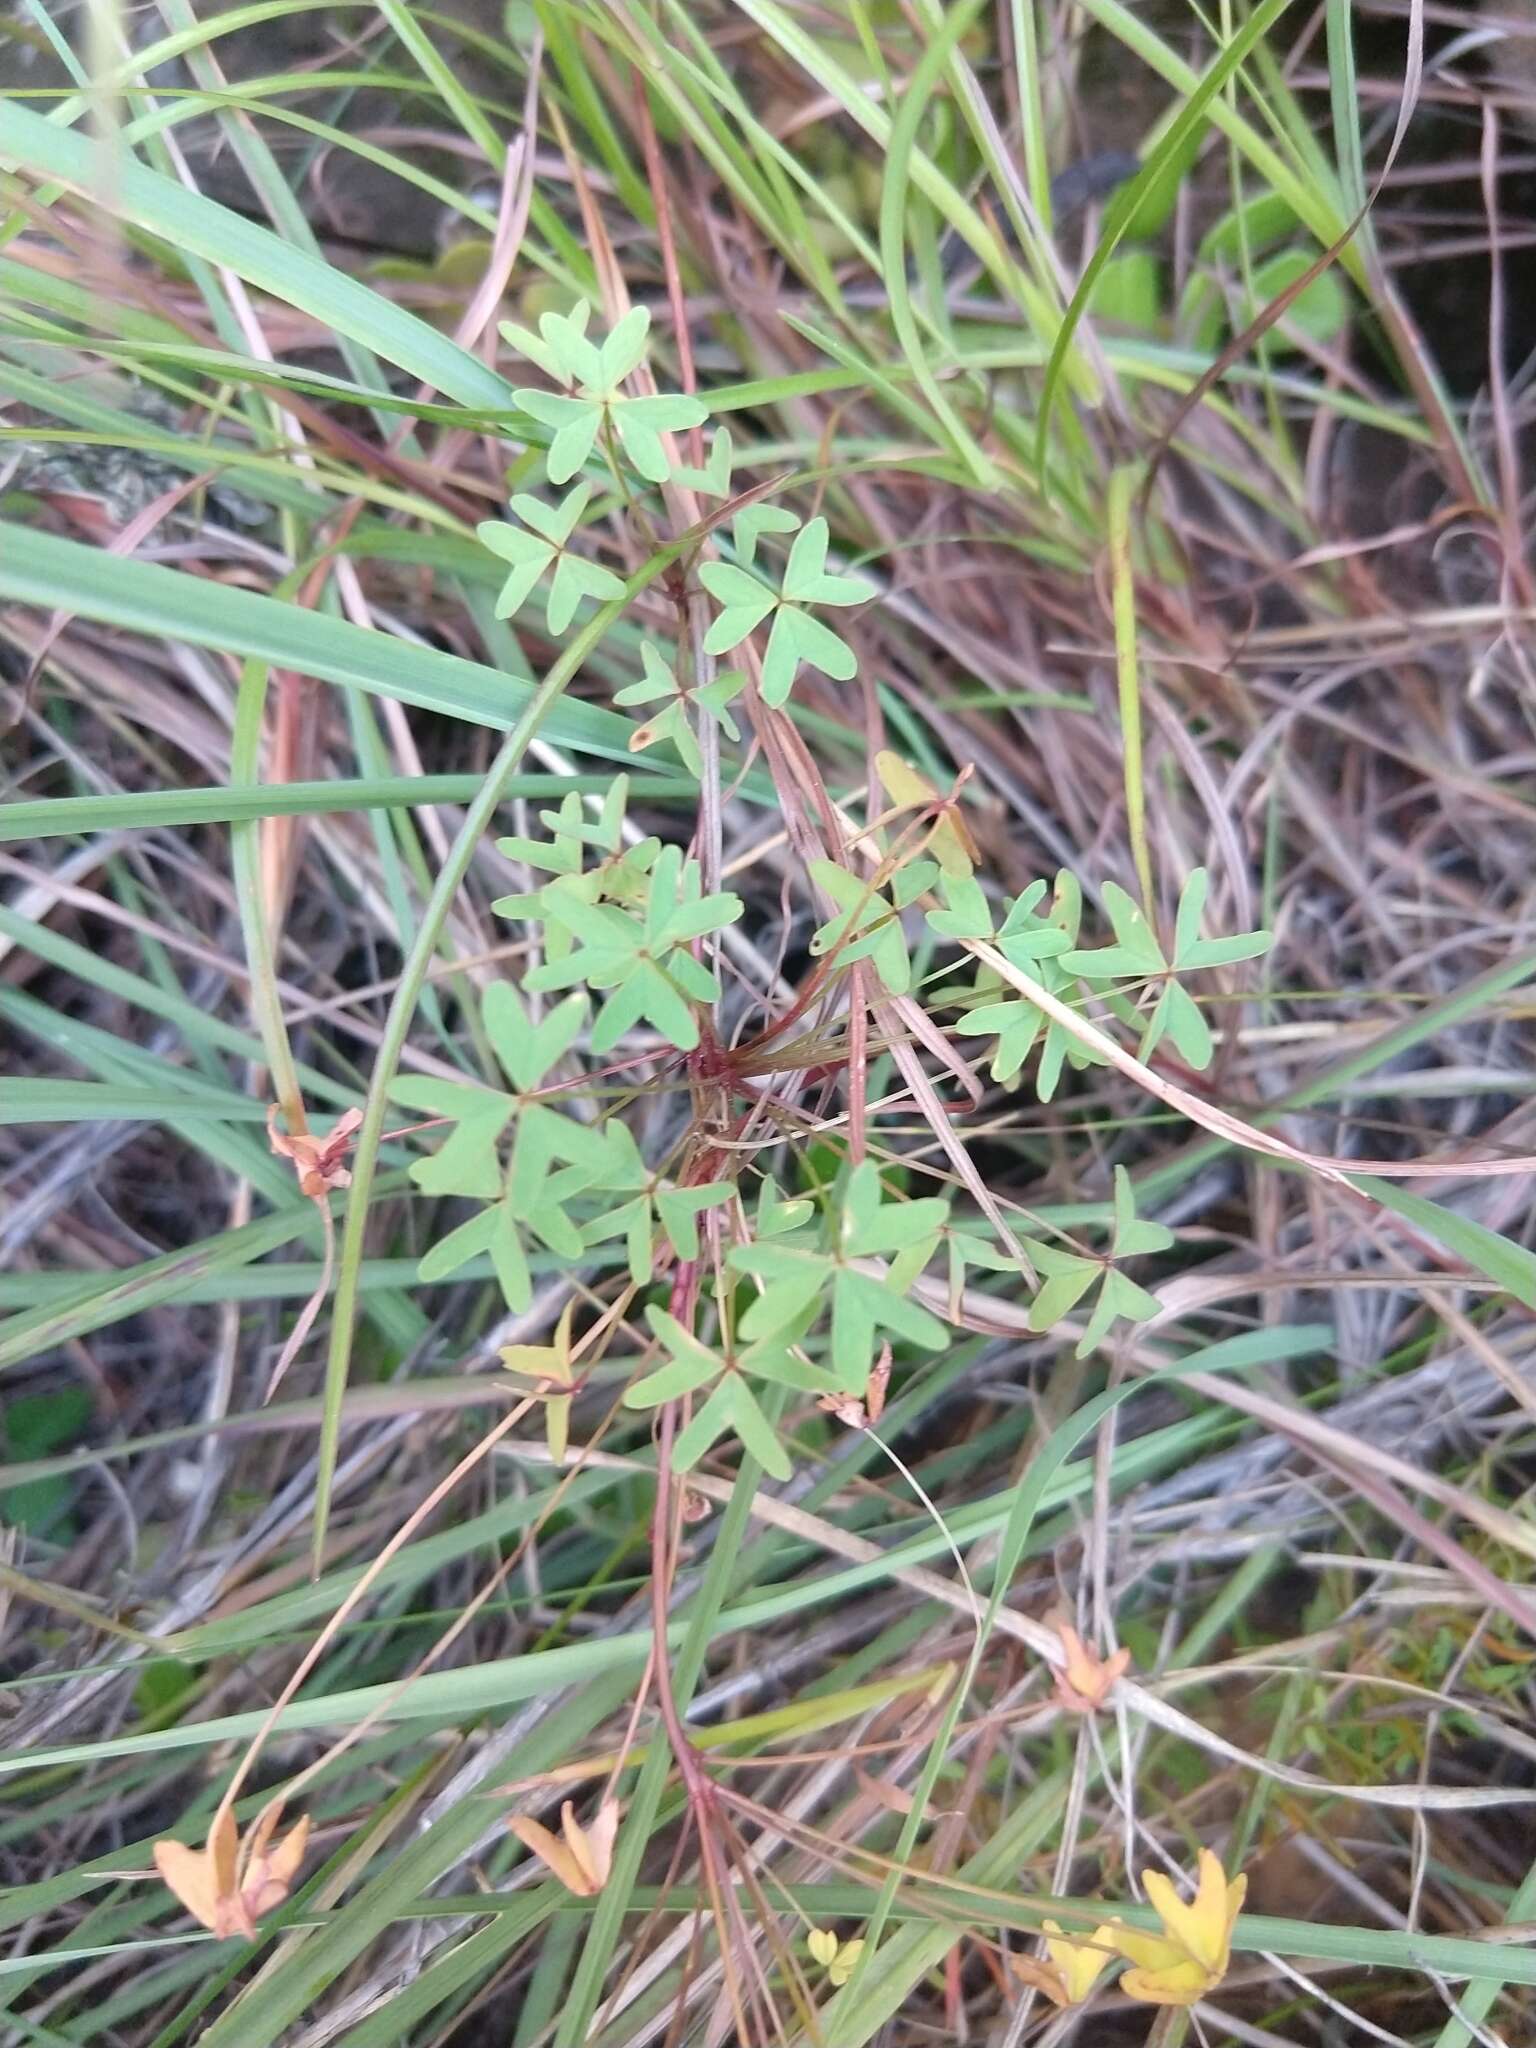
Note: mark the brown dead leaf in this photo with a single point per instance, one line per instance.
(318, 1164)
(854, 1413)
(316, 1161)
(894, 1798)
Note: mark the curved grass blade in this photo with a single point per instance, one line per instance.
(200, 227)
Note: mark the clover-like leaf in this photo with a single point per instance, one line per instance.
(641, 422)
(1191, 951)
(677, 1209)
(672, 722)
(598, 370)
(528, 1051)
(963, 1248)
(1137, 951)
(680, 1209)
(797, 638)
(544, 1138)
(554, 523)
(1137, 956)
(731, 1405)
(527, 556)
(646, 962)
(576, 577)
(1070, 1275)
(805, 574)
(714, 479)
(1133, 1233)
(572, 830)
(868, 926)
(870, 1226)
(494, 1230)
(966, 913)
(1016, 1024)
(1039, 945)
(691, 1364)
(800, 1280)
(745, 602)
(621, 352)
(467, 1162)
(775, 1218)
(575, 423)
(753, 521)
(542, 539)
(746, 599)
(560, 348)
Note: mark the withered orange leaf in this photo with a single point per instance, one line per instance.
(227, 1889)
(1086, 1679)
(849, 1409)
(318, 1162)
(584, 1858)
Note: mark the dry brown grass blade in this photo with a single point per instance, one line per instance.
(1220, 1122)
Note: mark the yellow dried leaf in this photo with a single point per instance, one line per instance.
(845, 1962)
(1190, 1956)
(549, 1366)
(838, 1958)
(1070, 1968)
(583, 1859)
(950, 842)
(187, 1874)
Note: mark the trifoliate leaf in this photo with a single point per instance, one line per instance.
(714, 479)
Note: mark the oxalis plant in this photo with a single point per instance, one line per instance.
(690, 1144)
(762, 1277)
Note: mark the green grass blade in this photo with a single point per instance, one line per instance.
(893, 239)
(1506, 1264)
(36, 568)
(28, 1101)
(1203, 103)
(166, 809)
(200, 227)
